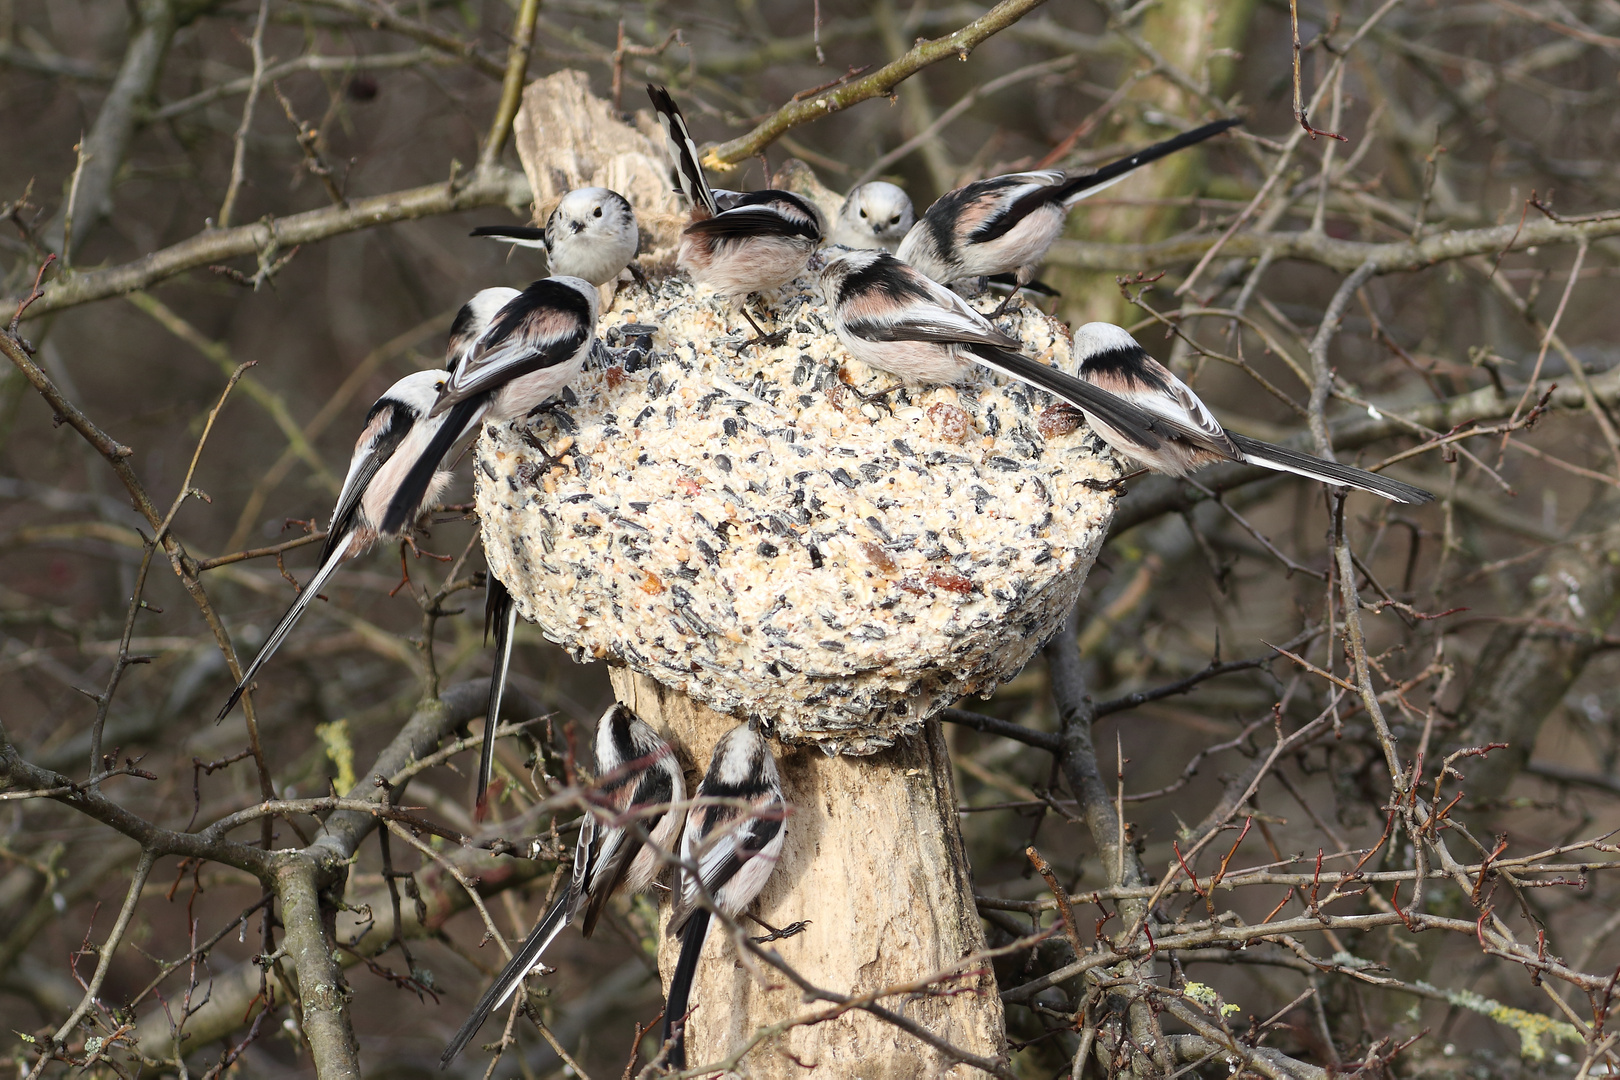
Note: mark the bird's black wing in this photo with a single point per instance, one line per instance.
(525, 234)
(541, 327)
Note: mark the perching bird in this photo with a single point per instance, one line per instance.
(591, 234)
(874, 215)
(638, 779)
(734, 847)
(1007, 223)
(1111, 359)
(890, 316)
(758, 243)
(471, 322)
(394, 473)
(533, 347)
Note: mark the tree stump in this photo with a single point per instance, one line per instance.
(753, 533)
(873, 862)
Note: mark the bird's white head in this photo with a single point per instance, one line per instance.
(592, 234)
(875, 214)
(1096, 338)
(417, 391)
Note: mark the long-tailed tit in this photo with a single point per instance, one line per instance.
(874, 215)
(734, 846)
(471, 322)
(379, 499)
(1111, 359)
(591, 234)
(533, 347)
(756, 242)
(1007, 223)
(638, 781)
(890, 316)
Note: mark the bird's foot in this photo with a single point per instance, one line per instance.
(404, 567)
(1116, 486)
(790, 930)
(770, 341)
(870, 397)
(1014, 301)
(533, 442)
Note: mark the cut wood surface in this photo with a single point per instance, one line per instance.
(873, 861)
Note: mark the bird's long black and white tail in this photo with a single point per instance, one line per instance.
(683, 152)
(407, 501)
(284, 627)
(501, 613)
(1113, 410)
(1283, 459)
(522, 962)
(522, 235)
(1082, 186)
(680, 987)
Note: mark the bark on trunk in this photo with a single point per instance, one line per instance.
(873, 861)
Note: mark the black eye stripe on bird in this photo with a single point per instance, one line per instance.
(1006, 224)
(734, 849)
(1110, 358)
(592, 234)
(393, 473)
(643, 782)
(743, 243)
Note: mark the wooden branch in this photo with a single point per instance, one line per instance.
(491, 187)
(103, 149)
(883, 828)
(1343, 255)
(991, 725)
(323, 992)
(131, 897)
(1159, 496)
(381, 16)
(517, 66)
(880, 83)
(18, 775)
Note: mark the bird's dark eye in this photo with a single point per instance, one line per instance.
(895, 220)
(598, 212)
(863, 213)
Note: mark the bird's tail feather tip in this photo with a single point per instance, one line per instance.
(1328, 472)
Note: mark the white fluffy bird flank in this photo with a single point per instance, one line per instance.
(1110, 358)
(874, 215)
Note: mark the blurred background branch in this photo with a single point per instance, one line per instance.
(1379, 848)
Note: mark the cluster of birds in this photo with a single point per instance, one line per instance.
(886, 278)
